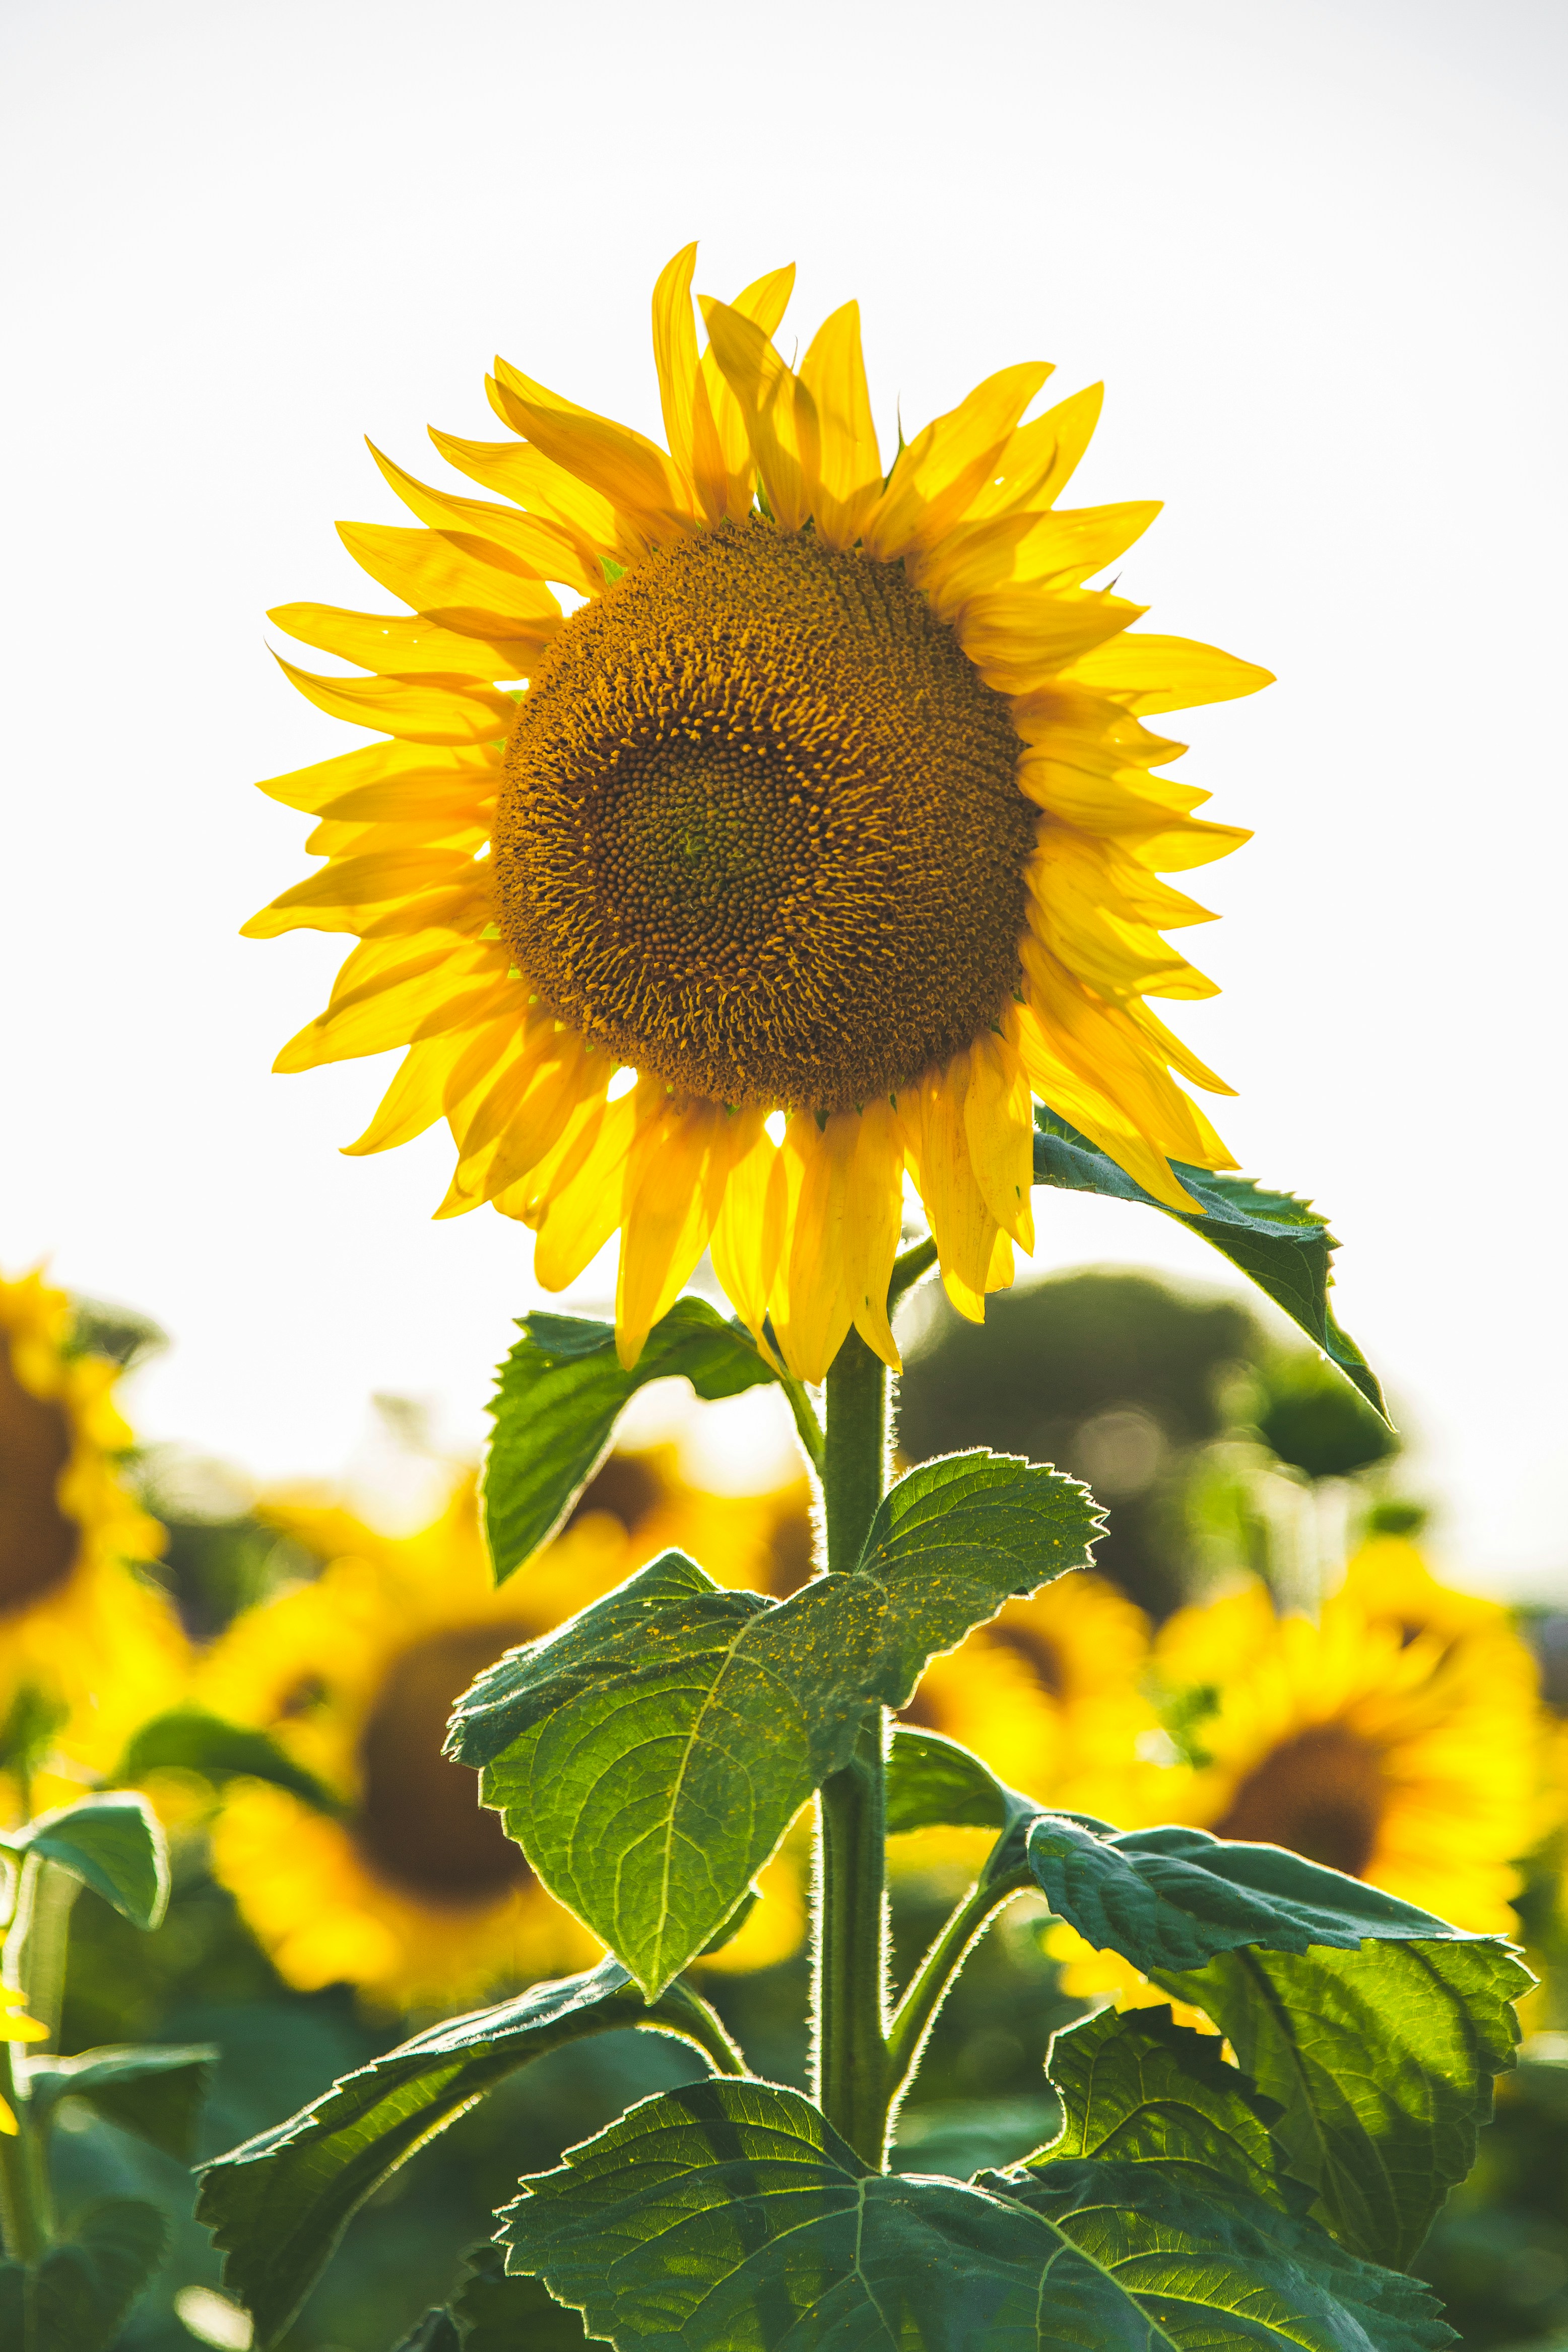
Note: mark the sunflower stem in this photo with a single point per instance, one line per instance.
(21, 2199)
(851, 1938)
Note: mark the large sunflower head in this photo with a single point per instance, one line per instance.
(83, 1639)
(819, 836)
(413, 1892)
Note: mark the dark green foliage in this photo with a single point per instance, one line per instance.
(498, 2313)
(650, 1756)
(729, 2217)
(931, 1780)
(559, 1395)
(1173, 1898)
(1115, 1377)
(1311, 1419)
(279, 2205)
(78, 2296)
(1277, 1242)
(1141, 2088)
(112, 1843)
(157, 2094)
(189, 1740)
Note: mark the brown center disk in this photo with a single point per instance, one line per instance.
(1320, 1794)
(760, 832)
(420, 1821)
(38, 1544)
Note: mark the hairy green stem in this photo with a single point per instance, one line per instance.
(684, 2012)
(928, 1988)
(852, 1883)
(36, 1946)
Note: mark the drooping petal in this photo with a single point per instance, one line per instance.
(583, 1209)
(999, 1126)
(623, 466)
(779, 412)
(748, 1232)
(873, 1218)
(540, 546)
(765, 302)
(457, 578)
(813, 1302)
(392, 643)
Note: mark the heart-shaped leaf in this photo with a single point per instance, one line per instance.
(1171, 1898)
(1380, 2060)
(649, 1755)
(559, 1395)
(729, 2217)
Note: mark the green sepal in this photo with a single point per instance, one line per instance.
(78, 2296)
(559, 1395)
(1277, 1242)
(114, 1844)
(1380, 2060)
(1173, 1898)
(190, 1740)
(730, 2217)
(155, 2092)
(1137, 2088)
(278, 2204)
(649, 1755)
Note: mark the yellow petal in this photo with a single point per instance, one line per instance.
(850, 463)
(675, 355)
(999, 1127)
(455, 579)
(1149, 673)
(814, 1307)
(1015, 636)
(667, 1213)
(581, 1215)
(534, 482)
(748, 1232)
(394, 765)
(624, 467)
(8, 2124)
(412, 1102)
(962, 1228)
(541, 546)
(873, 1218)
(934, 482)
(779, 413)
(416, 710)
(392, 643)
(369, 881)
(765, 302)
(1040, 458)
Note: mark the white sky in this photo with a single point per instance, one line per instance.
(1314, 249)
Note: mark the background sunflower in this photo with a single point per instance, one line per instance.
(88, 1646)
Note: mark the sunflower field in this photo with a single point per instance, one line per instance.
(1059, 1867)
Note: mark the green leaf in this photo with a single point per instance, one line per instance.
(1140, 2088)
(77, 2298)
(1171, 1898)
(1382, 2061)
(155, 2092)
(114, 1844)
(649, 1755)
(1279, 1242)
(436, 2332)
(29, 1727)
(559, 1395)
(278, 2204)
(497, 2313)
(729, 2217)
(934, 1781)
(189, 1740)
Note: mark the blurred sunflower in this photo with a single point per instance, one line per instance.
(1398, 1739)
(85, 1644)
(414, 1893)
(1050, 1694)
(828, 812)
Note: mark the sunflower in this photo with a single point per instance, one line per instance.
(817, 840)
(1050, 1694)
(83, 1639)
(1398, 1739)
(413, 1892)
